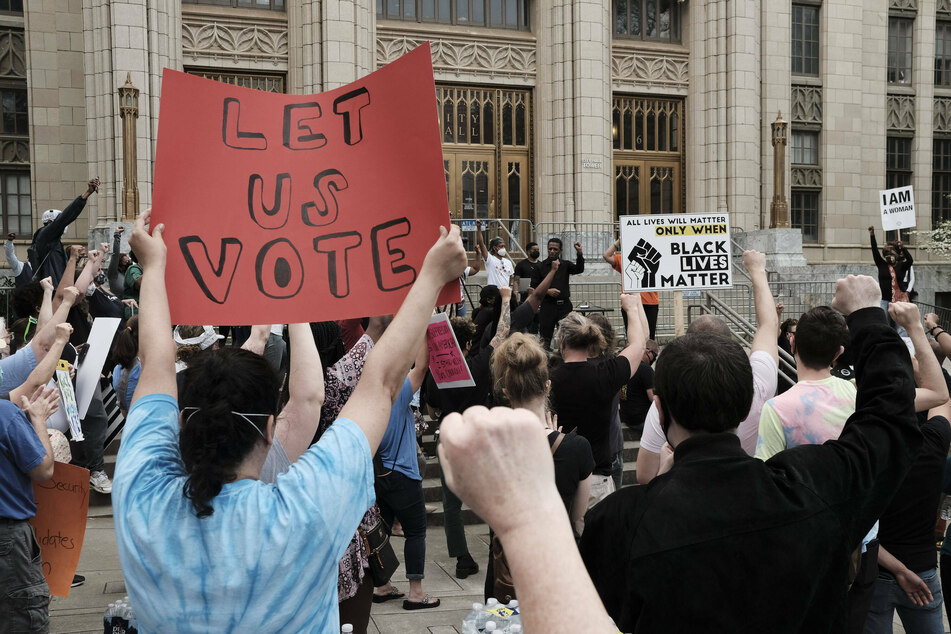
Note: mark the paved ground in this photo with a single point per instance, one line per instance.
(82, 610)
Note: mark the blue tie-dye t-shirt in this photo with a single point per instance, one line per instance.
(264, 561)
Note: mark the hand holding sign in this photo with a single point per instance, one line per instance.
(447, 258)
(148, 245)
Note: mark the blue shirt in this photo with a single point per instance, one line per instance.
(398, 447)
(20, 451)
(134, 374)
(265, 561)
(15, 370)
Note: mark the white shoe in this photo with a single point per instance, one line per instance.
(100, 482)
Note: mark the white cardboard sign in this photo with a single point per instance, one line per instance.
(898, 208)
(87, 375)
(676, 252)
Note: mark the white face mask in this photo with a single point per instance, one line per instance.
(91, 290)
(502, 252)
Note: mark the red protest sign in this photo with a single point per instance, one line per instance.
(288, 208)
(448, 366)
(62, 504)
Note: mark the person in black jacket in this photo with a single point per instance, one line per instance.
(892, 264)
(724, 542)
(50, 258)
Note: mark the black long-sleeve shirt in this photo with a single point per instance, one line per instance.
(884, 275)
(48, 244)
(560, 280)
(727, 543)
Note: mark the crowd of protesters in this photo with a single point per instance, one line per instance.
(253, 471)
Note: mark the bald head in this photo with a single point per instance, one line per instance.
(709, 324)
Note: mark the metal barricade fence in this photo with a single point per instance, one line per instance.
(798, 297)
(595, 237)
(944, 315)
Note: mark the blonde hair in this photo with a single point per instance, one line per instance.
(577, 332)
(520, 367)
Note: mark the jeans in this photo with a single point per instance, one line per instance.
(917, 620)
(24, 595)
(402, 497)
(88, 453)
(617, 469)
(891, 322)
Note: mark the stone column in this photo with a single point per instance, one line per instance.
(57, 109)
(724, 138)
(347, 42)
(304, 46)
(775, 66)
(573, 126)
(923, 78)
(139, 38)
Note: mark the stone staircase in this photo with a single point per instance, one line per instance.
(100, 505)
(432, 488)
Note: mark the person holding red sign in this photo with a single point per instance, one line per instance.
(200, 538)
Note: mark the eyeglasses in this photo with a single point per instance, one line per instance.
(653, 355)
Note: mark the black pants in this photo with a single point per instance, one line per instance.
(650, 310)
(551, 312)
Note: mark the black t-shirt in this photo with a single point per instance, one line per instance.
(573, 463)
(906, 528)
(528, 271)
(634, 401)
(582, 394)
(483, 318)
(457, 399)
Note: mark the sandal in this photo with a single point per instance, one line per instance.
(427, 602)
(392, 594)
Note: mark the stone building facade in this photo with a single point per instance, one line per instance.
(556, 111)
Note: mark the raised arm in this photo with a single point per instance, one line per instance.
(257, 341)
(578, 265)
(112, 273)
(876, 255)
(45, 336)
(46, 306)
(10, 251)
(932, 390)
(420, 366)
(537, 295)
(297, 423)
(931, 322)
(56, 228)
(608, 255)
(637, 330)
(68, 279)
(92, 267)
(44, 370)
(767, 320)
(388, 364)
(505, 318)
(156, 346)
(482, 252)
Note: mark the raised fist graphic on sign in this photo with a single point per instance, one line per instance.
(644, 261)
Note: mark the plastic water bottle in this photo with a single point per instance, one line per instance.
(107, 618)
(515, 619)
(484, 615)
(346, 628)
(515, 628)
(490, 626)
(470, 625)
(126, 613)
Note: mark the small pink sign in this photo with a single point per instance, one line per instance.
(446, 361)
